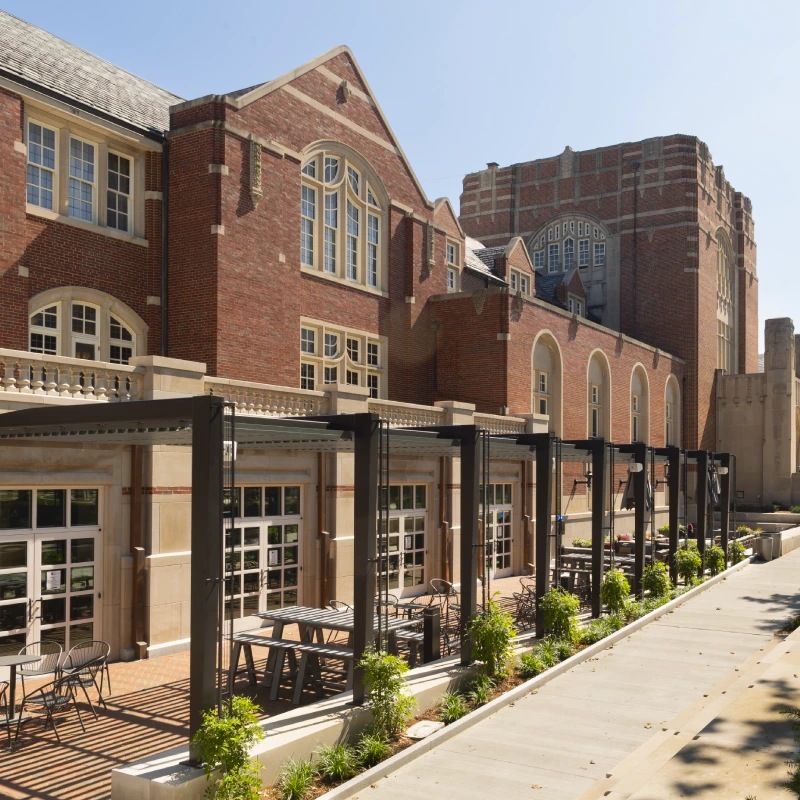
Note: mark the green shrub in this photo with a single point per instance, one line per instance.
(224, 743)
(564, 649)
(633, 610)
(546, 651)
(687, 564)
(531, 665)
(560, 609)
(795, 509)
(743, 530)
(655, 579)
(598, 629)
(493, 637)
(793, 784)
(296, 779)
(715, 559)
(391, 707)
(664, 530)
(777, 507)
(371, 748)
(735, 552)
(480, 690)
(336, 762)
(581, 542)
(453, 707)
(615, 590)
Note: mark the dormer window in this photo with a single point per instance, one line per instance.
(519, 282)
(575, 305)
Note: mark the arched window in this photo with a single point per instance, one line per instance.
(599, 397)
(342, 215)
(546, 381)
(726, 305)
(86, 324)
(672, 418)
(581, 239)
(640, 405)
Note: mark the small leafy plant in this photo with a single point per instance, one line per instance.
(655, 580)
(736, 552)
(715, 559)
(296, 779)
(531, 665)
(615, 590)
(560, 609)
(453, 707)
(384, 677)
(795, 509)
(743, 530)
(687, 564)
(480, 691)
(224, 743)
(370, 749)
(493, 636)
(598, 629)
(581, 542)
(546, 650)
(336, 762)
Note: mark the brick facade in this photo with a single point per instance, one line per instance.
(682, 200)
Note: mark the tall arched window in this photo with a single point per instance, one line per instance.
(546, 381)
(672, 416)
(571, 240)
(342, 215)
(599, 397)
(87, 324)
(640, 405)
(726, 304)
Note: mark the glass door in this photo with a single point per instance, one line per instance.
(16, 594)
(407, 540)
(67, 578)
(498, 529)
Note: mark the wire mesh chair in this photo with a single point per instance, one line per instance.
(339, 605)
(49, 655)
(85, 662)
(4, 703)
(387, 602)
(54, 696)
(443, 593)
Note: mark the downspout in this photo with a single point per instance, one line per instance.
(443, 526)
(138, 551)
(323, 537)
(164, 246)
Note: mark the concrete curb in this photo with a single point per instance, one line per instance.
(385, 768)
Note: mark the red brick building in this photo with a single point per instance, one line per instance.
(650, 226)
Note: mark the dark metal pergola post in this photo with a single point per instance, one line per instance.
(724, 502)
(598, 448)
(673, 485)
(365, 534)
(639, 451)
(702, 504)
(544, 505)
(206, 577)
(470, 438)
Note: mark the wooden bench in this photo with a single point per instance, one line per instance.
(311, 651)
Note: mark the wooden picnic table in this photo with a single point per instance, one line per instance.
(312, 623)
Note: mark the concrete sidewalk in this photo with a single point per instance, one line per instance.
(610, 718)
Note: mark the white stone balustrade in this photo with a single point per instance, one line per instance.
(26, 373)
(499, 425)
(266, 400)
(407, 415)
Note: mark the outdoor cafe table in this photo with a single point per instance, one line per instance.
(12, 662)
(312, 622)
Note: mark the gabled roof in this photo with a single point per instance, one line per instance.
(474, 262)
(244, 97)
(40, 60)
(443, 205)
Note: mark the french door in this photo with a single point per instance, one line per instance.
(51, 567)
(408, 521)
(262, 553)
(50, 588)
(498, 530)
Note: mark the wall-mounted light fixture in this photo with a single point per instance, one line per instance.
(635, 466)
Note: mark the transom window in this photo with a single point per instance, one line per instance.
(350, 246)
(41, 165)
(347, 356)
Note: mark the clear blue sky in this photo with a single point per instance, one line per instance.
(468, 82)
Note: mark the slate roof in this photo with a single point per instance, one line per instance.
(43, 61)
(545, 286)
(473, 262)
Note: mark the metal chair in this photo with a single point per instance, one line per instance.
(339, 605)
(86, 661)
(526, 608)
(4, 703)
(443, 593)
(389, 602)
(52, 697)
(49, 654)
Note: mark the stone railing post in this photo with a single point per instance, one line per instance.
(166, 377)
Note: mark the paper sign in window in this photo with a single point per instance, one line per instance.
(53, 580)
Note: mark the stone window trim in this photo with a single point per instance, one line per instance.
(519, 282)
(342, 356)
(344, 218)
(452, 279)
(104, 143)
(106, 307)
